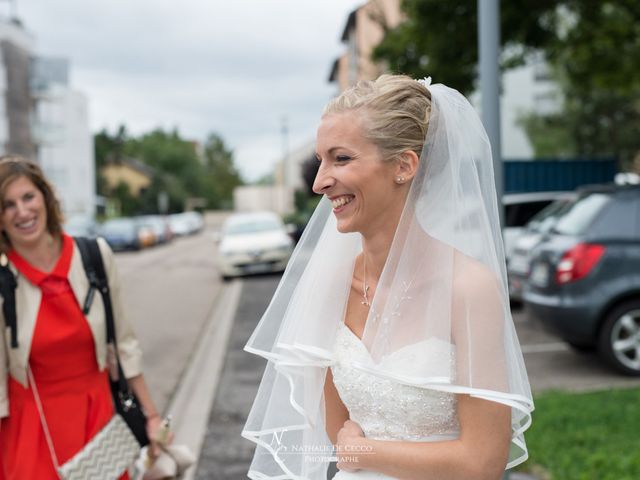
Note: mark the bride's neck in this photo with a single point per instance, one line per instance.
(376, 248)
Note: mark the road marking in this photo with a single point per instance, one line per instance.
(544, 347)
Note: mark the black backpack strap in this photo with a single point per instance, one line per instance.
(8, 286)
(98, 281)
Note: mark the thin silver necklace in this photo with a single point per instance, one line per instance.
(365, 287)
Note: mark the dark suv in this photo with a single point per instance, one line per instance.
(584, 277)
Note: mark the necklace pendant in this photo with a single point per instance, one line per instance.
(365, 295)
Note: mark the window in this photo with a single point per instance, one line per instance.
(619, 220)
(581, 214)
(518, 214)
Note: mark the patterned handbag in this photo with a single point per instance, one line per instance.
(107, 455)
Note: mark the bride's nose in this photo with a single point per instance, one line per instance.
(324, 181)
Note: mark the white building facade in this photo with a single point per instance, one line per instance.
(525, 89)
(44, 119)
(63, 137)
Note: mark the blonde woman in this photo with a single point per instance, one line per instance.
(390, 342)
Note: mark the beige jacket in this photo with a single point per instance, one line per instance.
(28, 296)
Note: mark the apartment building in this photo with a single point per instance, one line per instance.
(363, 31)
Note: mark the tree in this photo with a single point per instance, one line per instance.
(440, 38)
(129, 205)
(222, 175)
(603, 123)
(107, 147)
(596, 57)
(179, 170)
(591, 45)
(167, 152)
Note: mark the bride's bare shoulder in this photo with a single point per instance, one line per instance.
(473, 279)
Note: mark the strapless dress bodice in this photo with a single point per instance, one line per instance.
(386, 409)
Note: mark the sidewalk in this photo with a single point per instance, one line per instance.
(193, 399)
(225, 455)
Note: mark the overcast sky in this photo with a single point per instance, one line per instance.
(235, 67)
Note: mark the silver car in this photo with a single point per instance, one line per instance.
(253, 243)
(519, 208)
(532, 234)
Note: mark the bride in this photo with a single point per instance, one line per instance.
(389, 341)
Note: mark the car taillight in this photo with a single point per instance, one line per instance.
(578, 262)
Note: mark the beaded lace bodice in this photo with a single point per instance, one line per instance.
(388, 410)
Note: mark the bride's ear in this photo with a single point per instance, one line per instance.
(407, 165)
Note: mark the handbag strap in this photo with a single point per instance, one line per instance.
(43, 420)
(98, 281)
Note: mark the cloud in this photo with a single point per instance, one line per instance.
(236, 68)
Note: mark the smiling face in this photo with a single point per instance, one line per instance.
(24, 214)
(353, 175)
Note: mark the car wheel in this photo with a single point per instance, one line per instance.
(619, 342)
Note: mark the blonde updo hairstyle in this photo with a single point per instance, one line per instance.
(13, 167)
(394, 110)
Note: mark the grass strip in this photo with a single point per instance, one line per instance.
(585, 436)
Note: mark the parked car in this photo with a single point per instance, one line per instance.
(121, 234)
(196, 221)
(159, 225)
(253, 243)
(584, 280)
(519, 208)
(186, 223)
(81, 226)
(530, 236)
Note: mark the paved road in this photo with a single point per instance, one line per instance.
(169, 292)
(551, 364)
(225, 454)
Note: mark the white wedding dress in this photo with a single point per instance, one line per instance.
(387, 410)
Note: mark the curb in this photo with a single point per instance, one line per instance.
(191, 404)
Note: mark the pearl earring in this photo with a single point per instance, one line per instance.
(399, 179)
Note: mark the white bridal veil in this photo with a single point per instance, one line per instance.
(444, 279)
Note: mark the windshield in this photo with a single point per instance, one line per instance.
(252, 227)
(543, 221)
(579, 215)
